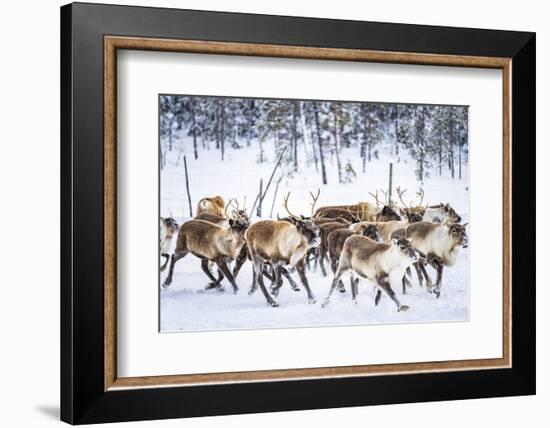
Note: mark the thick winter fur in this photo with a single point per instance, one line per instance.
(168, 228)
(213, 205)
(209, 242)
(378, 262)
(359, 210)
(440, 243)
(323, 220)
(442, 213)
(324, 230)
(280, 243)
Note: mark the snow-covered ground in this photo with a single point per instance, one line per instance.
(186, 306)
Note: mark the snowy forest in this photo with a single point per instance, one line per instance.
(265, 153)
(435, 137)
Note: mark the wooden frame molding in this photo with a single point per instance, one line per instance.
(113, 43)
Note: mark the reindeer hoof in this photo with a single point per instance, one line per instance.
(342, 290)
(273, 304)
(437, 294)
(297, 289)
(166, 284)
(274, 292)
(312, 300)
(325, 304)
(403, 308)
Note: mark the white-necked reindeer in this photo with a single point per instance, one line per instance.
(168, 228)
(440, 243)
(381, 263)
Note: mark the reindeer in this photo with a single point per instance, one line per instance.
(413, 213)
(324, 230)
(209, 242)
(378, 262)
(281, 243)
(336, 240)
(236, 214)
(440, 243)
(212, 205)
(168, 228)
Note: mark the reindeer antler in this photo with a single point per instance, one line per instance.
(386, 199)
(420, 194)
(229, 203)
(375, 197)
(314, 197)
(400, 194)
(285, 205)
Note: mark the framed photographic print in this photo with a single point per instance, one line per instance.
(275, 213)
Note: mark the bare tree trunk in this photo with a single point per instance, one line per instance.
(187, 187)
(194, 124)
(396, 130)
(295, 134)
(364, 139)
(451, 149)
(222, 132)
(336, 132)
(320, 143)
(459, 161)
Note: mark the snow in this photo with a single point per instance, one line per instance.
(186, 306)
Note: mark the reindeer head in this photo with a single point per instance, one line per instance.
(237, 214)
(239, 225)
(406, 249)
(169, 224)
(371, 231)
(413, 216)
(458, 233)
(387, 214)
(452, 216)
(305, 225)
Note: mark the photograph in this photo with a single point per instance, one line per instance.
(282, 213)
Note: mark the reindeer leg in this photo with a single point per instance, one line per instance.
(429, 284)
(377, 297)
(175, 257)
(333, 267)
(341, 269)
(321, 258)
(166, 258)
(419, 274)
(291, 281)
(278, 281)
(222, 265)
(384, 284)
(215, 281)
(406, 283)
(438, 266)
(354, 290)
(260, 281)
(241, 258)
(300, 267)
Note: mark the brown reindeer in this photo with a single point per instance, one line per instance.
(322, 252)
(378, 262)
(280, 243)
(336, 240)
(210, 242)
(168, 228)
(213, 205)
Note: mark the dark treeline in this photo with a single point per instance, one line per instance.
(314, 132)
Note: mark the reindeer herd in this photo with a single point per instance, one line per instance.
(378, 241)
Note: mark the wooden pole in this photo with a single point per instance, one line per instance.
(391, 182)
(187, 186)
(275, 197)
(259, 212)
